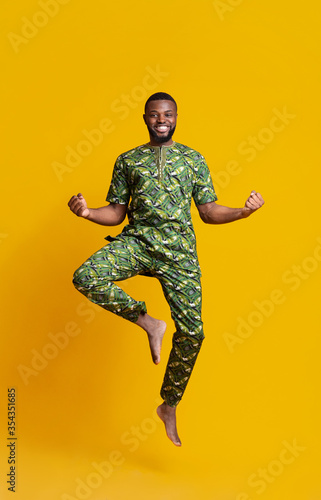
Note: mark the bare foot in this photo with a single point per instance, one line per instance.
(155, 329)
(168, 415)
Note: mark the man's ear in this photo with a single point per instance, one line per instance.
(144, 117)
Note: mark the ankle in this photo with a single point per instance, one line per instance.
(168, 409)
(143, 320)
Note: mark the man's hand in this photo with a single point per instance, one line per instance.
(110, 215)
(212, 213)
(78, 206)
(253, 203)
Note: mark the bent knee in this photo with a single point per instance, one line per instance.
(88, 277)
(82, 278)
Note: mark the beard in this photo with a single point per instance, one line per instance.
(164, 138)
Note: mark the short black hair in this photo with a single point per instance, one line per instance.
(160, 96)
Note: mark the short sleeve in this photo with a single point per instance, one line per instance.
(119, 190)
(203, 189)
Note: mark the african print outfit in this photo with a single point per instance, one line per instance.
(157, 183)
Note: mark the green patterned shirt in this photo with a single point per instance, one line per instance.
(160, 181)
(158, 184)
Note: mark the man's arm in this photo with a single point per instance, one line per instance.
(211, 213)
(110, 215)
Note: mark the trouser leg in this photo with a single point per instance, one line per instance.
(116, 261)
(183, 292)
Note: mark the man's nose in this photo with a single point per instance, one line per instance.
(161, 119)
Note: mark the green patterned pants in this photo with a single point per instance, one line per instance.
(128, 256)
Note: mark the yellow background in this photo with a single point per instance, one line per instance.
(229, 65)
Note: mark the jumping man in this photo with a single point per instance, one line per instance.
(153, 185)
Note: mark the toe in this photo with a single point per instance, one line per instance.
(177, 443)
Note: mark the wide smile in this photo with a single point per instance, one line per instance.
(162, 128)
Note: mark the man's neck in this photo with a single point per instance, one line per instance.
(160, 144)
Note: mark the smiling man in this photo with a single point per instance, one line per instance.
(154, 185)
(160, 117)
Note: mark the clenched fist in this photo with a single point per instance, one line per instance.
(253, 203)
(78, 206)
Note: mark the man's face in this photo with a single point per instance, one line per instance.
(160, 118)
